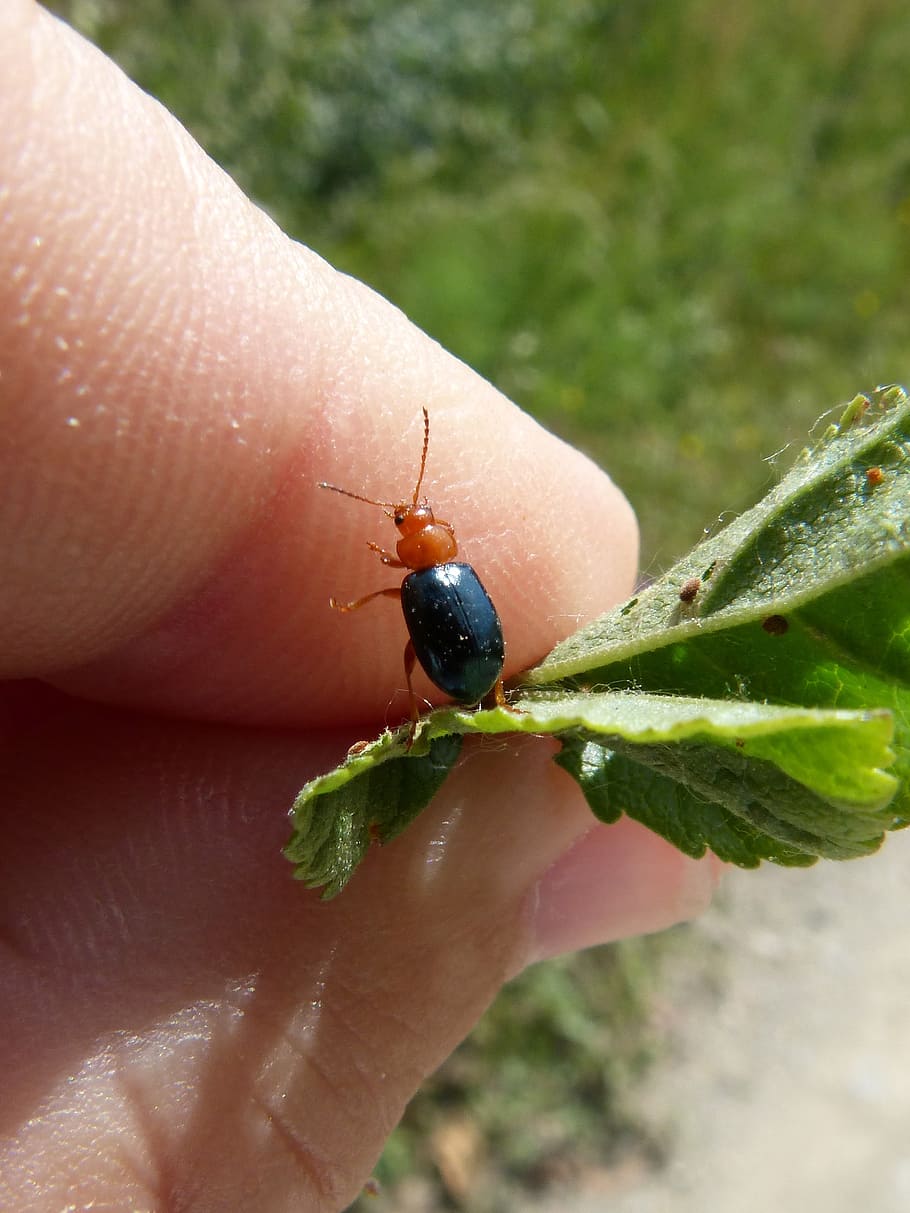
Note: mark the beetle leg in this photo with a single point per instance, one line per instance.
(410, 658)
(393, 592)
(388, 558)
(497, 698)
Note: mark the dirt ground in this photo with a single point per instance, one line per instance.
(787, 1083)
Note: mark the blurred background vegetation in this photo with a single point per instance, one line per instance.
(676, 231)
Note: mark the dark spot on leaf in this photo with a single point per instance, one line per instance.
(689, 589)
(776, 625)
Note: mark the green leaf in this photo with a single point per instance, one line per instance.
(746, 702)
(804, 599)
(823, 527)
(337, 815)
(699, 795)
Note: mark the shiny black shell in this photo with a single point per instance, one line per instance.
(454, 629)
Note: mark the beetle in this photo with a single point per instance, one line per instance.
(454, 631)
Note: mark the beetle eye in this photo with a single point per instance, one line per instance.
(399, 517)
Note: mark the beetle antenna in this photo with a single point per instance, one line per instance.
(357, 496)
(423, 457)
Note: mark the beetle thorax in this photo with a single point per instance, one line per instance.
(424, 542)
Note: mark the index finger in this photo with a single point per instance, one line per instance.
(178, 376)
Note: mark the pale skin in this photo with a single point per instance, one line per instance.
(181, 1025)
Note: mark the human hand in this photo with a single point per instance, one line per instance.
(183, 1025)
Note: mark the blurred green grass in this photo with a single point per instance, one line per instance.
(675, 232)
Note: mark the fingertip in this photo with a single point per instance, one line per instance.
(614, 882)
